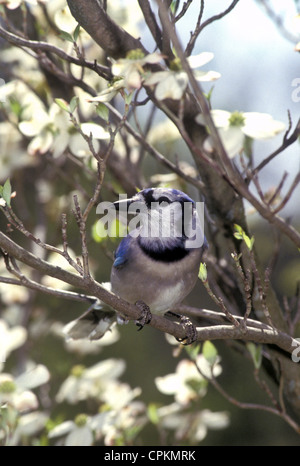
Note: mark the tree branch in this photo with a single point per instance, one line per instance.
(151, 22)
(105, 32)
(265, 335)
(101, 70)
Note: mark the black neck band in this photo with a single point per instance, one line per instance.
(165, 255)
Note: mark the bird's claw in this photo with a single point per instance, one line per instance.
(145, 317)
(190, 330)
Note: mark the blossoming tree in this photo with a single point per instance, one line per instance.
(78, 99)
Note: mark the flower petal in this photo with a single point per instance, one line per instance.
(82, 436)
(108, 369)
(15, 338)
(41, 143)
(96, 130)
(206, 76)
(261, 125)
(39, 375)
(62, 429)
(172, 87)
(233, 140)
(155, 78)
(167, 384)
(79, 147)
(195, 61)
(118, 68)
(220, 118)
(152, 58)
(133, 78)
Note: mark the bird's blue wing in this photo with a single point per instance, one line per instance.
(122, 252)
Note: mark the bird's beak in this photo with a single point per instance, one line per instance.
(123, 204)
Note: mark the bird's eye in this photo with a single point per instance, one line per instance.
(164, 199)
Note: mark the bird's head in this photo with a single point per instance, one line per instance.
(161, 214)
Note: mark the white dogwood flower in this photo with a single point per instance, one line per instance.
(76, 433)
(110, 92)
(131, 67)
(16, 391)
(234, 127)
(171, 84)
(182, 383)
(53, 131)
(85, 383)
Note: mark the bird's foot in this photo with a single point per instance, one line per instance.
(190, 330)
(145, 317)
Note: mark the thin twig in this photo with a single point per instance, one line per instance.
(184, 9)
(244, 405)
(219, 301)
(155, 153)
(102, 71)
(33, 285)
(289, 194)
(278, 21)
(82, 230)
(194, 35)
(151, 22)
(278, 189)
(287, 141)
(260, 289)
(199, 27)
(246, 279)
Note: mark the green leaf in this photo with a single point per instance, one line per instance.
(209, 94)
(15, 106)
(240, 234)
(197, 385)
(256, 354)
(210, 352)
(6, 192)
(102, 111)
(64, 35)
(128, 97)
(238, 231)
(74, 103)
(99, 232)
(202, 272)
(193, 351)
(76, 32)
(152, 413)
(174, 6)
(249, 242)
(63, 104)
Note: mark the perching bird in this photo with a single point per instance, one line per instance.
(157, 263)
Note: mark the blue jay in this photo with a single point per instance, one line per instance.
(156, 265)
